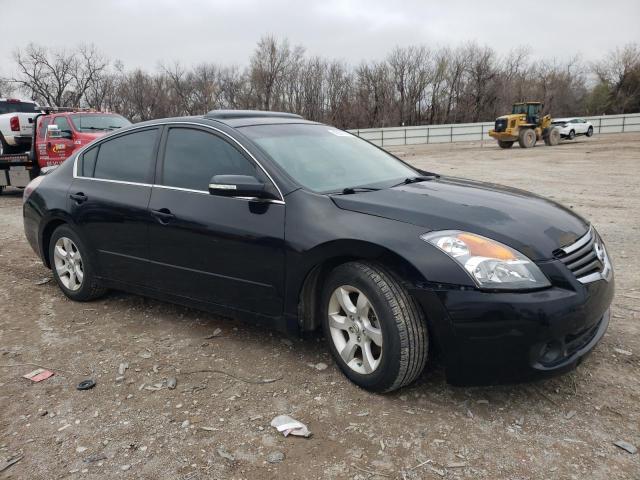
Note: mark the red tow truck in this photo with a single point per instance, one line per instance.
(57, 134)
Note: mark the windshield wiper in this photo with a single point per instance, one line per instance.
(352, 190)
(416, 179)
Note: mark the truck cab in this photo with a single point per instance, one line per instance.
(58, 135)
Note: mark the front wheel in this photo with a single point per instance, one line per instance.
(572, 135)
(527, 138)
(72, 266)
(590, 132)
(375, 330)
(505, 144)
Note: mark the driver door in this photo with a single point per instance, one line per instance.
(59, 142)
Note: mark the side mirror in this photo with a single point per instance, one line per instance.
(238, 186)
(53, 131)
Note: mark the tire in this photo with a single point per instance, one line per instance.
(76, 260)
(392, 317)
(590, 132)
(552, 137)
(505, 144)
(5, 148)
(527, 138)
(572, 135)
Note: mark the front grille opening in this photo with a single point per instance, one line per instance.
(581, 258)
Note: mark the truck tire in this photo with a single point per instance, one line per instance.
(505, 144)
(552, 137)
(376, 332)
(527, 138)
(4, 148)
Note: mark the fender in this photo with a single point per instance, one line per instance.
(306, 274)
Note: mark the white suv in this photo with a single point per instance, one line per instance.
(16, 125)
(572, 127)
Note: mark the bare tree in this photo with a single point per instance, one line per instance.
(58, 77)
(619, 73)
(6, 87)
(413, 85)
(411, 72)
(271, 63)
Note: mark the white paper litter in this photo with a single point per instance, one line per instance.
(290, 426)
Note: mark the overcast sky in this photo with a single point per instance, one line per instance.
(143, 33)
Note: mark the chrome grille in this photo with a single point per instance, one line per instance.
(587, 258)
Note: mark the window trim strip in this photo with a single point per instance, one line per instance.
(161, 124)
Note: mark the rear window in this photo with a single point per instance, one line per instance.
(127, 158)
(16, 107)
(92, 122)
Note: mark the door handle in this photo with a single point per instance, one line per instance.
(163, 215)
(78, 197)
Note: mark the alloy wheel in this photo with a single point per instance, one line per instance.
(68, 263)
(355, 329)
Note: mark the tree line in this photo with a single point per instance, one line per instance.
(411, 86)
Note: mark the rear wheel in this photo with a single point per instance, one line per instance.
(552, 137)
(572, 134)
(376, 332)
(72, 266)
(590, 132)
(5, 148)
(505, 144)
(527, 138)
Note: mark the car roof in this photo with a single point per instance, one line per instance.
(17, 100)
(66, 114)
(566, 119)
(244, 118)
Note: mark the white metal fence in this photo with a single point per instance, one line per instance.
(465, 132)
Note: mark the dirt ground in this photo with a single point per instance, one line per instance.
(217, 426)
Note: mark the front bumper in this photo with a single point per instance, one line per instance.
(488, 338)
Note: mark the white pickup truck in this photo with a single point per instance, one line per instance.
(16, 125)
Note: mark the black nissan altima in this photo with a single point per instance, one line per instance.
(267, 216)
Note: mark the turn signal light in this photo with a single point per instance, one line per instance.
(481, 247)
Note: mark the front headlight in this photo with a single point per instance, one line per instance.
(491, 265)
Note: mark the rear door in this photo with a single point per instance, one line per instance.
(221, 250)
(109, 197)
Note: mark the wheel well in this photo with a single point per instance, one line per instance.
(46, 237)
(311, 291)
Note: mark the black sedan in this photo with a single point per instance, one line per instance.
(267, 216)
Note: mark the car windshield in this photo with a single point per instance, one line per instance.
(325, 159)
(16, 106)
(99, 122)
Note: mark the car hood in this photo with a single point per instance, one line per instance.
(533, 225)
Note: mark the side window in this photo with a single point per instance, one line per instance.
(62, 123)
(192, 157)
(127, 158)
(87, 164)
(44, 123)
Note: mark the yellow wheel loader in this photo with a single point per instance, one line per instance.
(526, 125)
